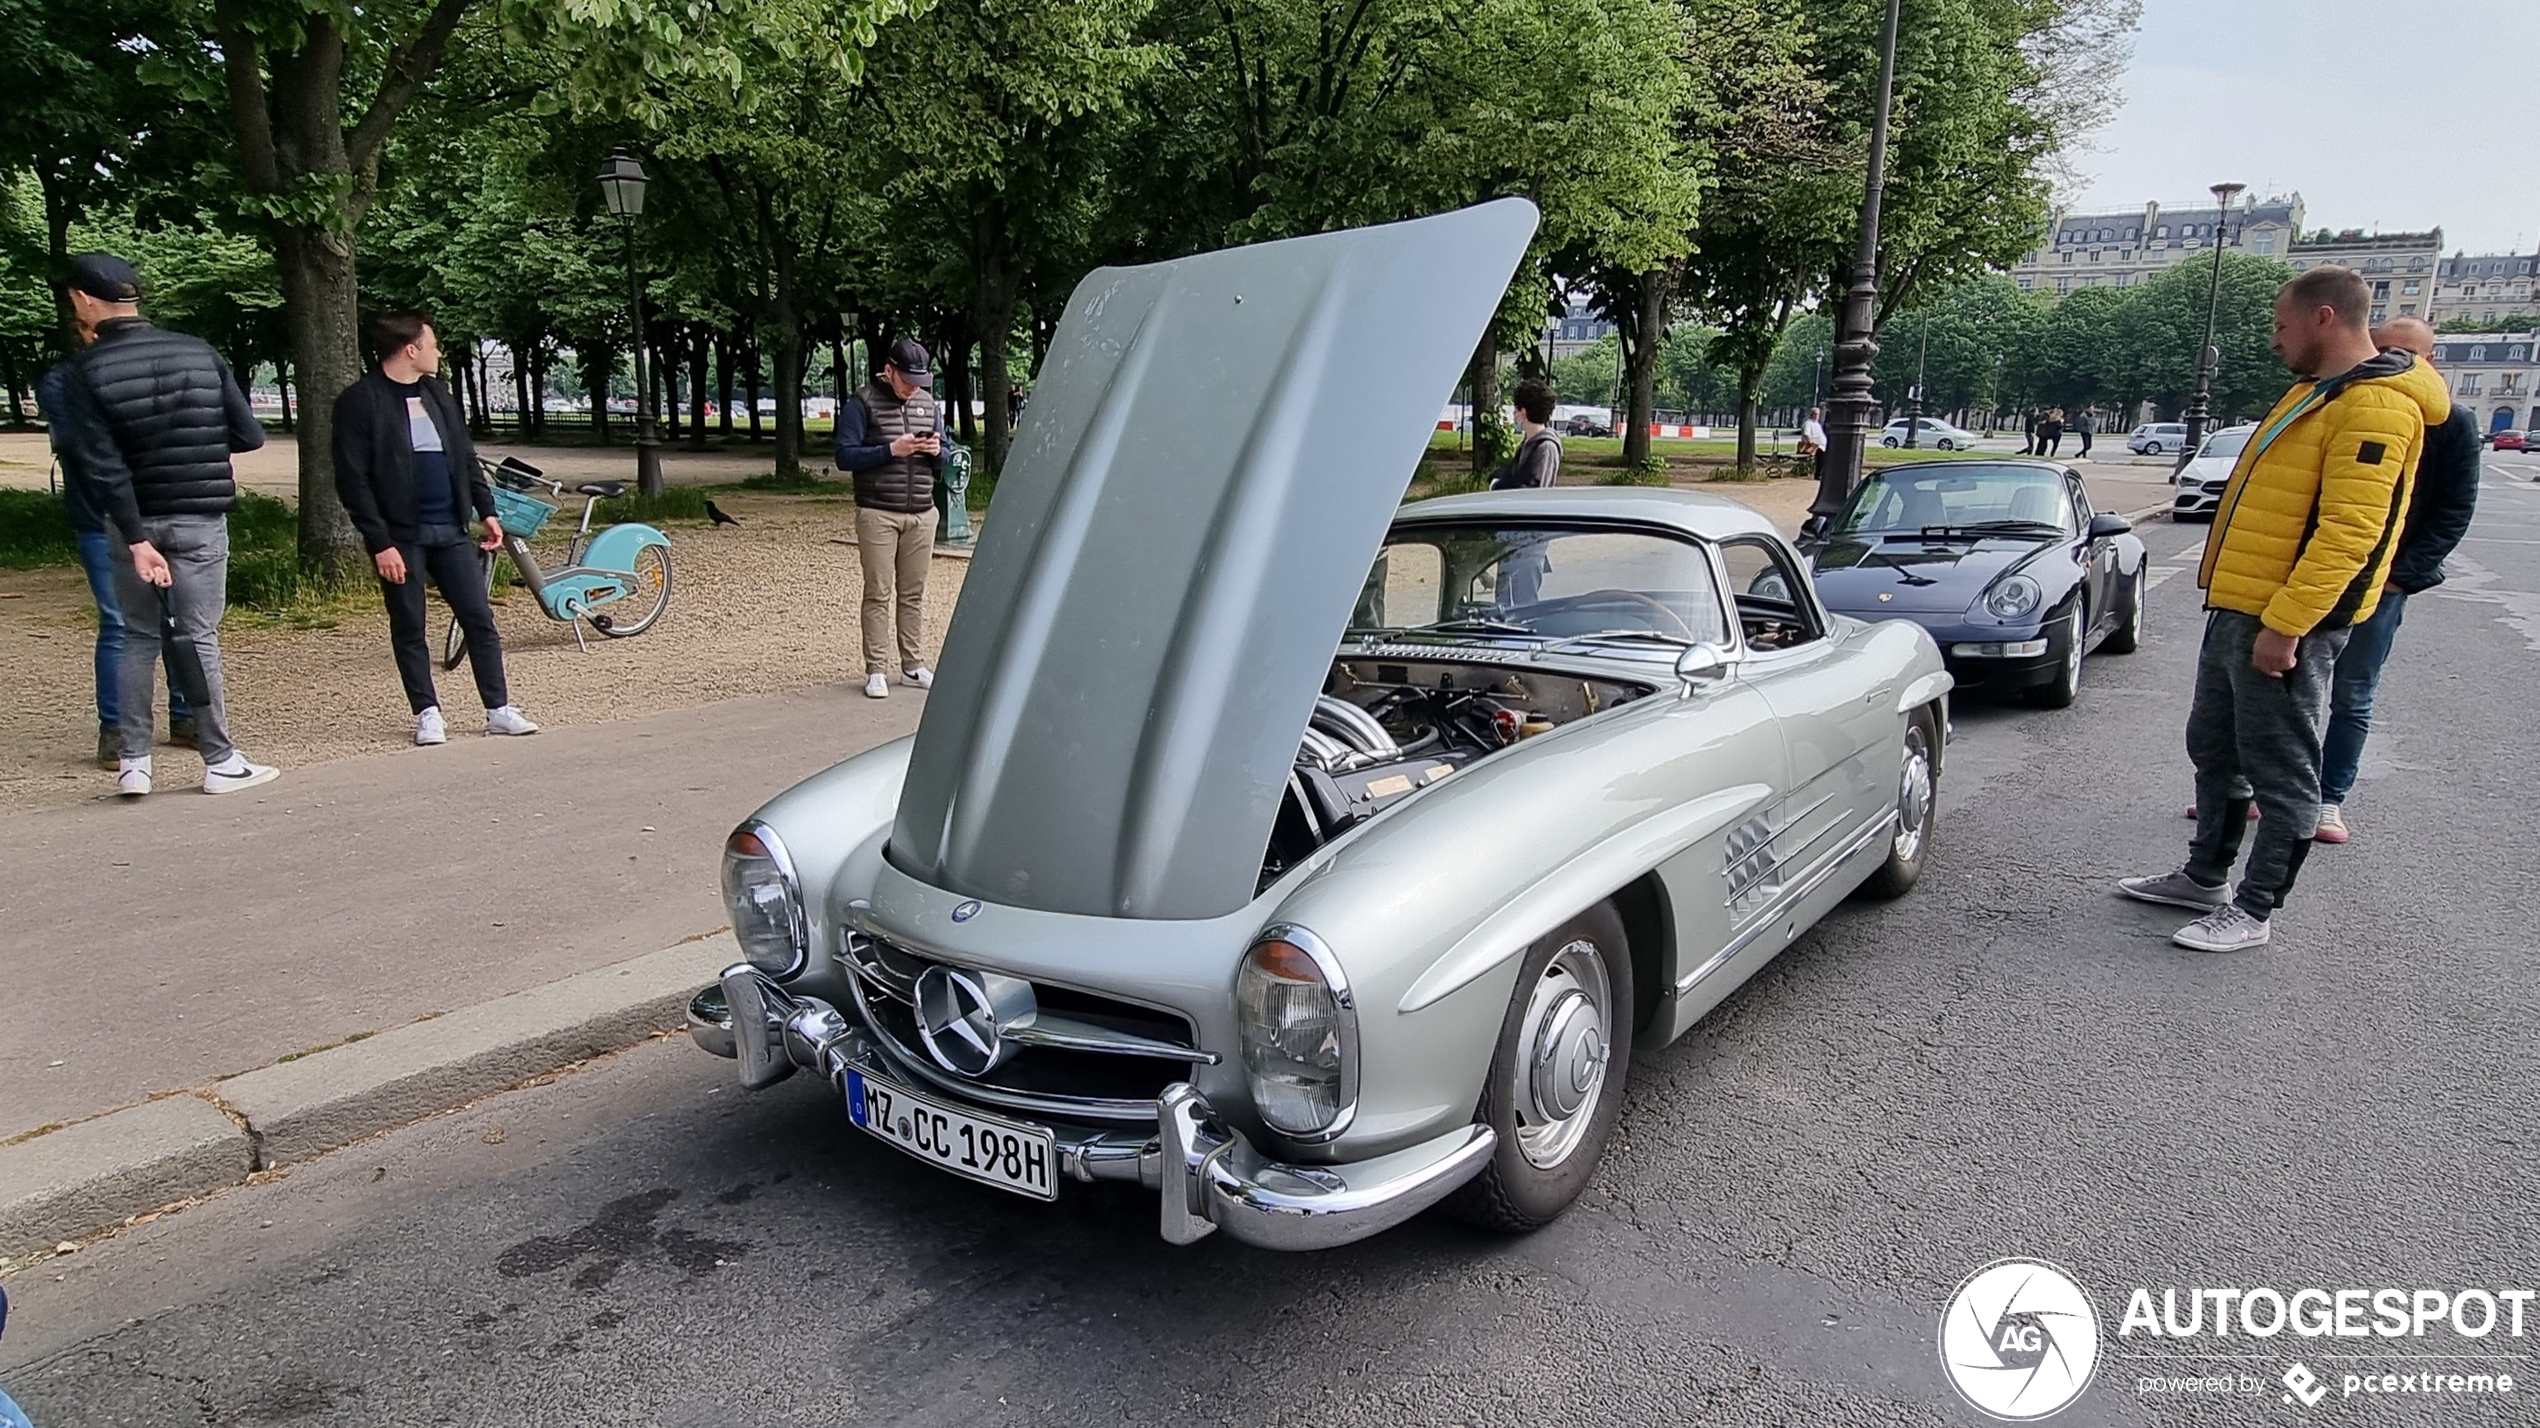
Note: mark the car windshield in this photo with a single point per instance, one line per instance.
(2227, 443)
(2010, 498)
(1543, 581)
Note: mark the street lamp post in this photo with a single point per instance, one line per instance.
(622, 185)
(2200, 408)
(1848, 410)
(1914, 398)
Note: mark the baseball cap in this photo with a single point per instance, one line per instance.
(909, 356)
(105, 277)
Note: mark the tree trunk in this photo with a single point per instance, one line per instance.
(1746, 384)
(322, 308)
(996, 334)
(750, 374)
(538, 359)
(838, 387)
(697, 385)
(599, 374)
(1654, 294)
(786, 316)
(1481, 381)
(520, 393)
(9, 370)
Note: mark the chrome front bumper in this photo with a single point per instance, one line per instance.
(1207, 1176)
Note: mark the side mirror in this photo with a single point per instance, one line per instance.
(2108, 523)
(1812, 527)
(1702, 663)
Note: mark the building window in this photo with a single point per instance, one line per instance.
(2509, 384)
(2163, 231)
(2096, 255)
(2490, 316)
(2132, 233)
(2469, 384)
(2381, 290)
(2120, 280)
(2263, 243)
(2027, 283)
(2125, 255)
(2068, 257)
(2409, 288)
(2513, 354)
(2063, 282)
(2478, 354)
(2378, 313)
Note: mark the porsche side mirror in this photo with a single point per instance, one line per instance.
(2108, 523)
(1702, 663)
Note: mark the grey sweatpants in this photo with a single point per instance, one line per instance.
(2253, 734)
(197, 551)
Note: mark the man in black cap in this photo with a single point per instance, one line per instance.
(155, 416)
(891, 435)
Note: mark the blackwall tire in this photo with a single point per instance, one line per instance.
(1543, 1161)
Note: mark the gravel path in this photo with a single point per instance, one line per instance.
(767, 605)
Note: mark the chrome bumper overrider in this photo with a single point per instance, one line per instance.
(1206, 1174)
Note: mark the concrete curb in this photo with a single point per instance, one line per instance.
(96, 1173)
(105, 1170)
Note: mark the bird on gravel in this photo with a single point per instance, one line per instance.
(719, 515)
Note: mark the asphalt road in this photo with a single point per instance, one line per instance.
(2009, 1062)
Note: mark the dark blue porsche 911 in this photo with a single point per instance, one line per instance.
(2004, 561)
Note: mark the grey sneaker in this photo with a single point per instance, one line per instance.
(2228, 928)
(2175, 890)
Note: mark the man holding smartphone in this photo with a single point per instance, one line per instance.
(891, 435)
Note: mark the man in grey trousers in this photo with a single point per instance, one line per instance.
(157, 415)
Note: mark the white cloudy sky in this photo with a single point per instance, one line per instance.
(2395, 114)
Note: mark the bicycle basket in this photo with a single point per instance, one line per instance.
(521, 515)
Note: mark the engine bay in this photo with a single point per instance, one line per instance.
(1383, 729)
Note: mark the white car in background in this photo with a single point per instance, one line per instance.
(2201, 481)
(1934, 433)
(2157, 438)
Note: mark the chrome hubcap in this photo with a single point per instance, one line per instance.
(1567, 1044)
(1913, 797)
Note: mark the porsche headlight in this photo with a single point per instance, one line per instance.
(1299, 1031)
(766, 903)
(2013, 597)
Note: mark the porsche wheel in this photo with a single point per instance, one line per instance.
(1917, 803)
(2128, 635)
(1556, 1082)
(2065, 687)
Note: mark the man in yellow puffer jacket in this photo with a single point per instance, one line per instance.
(2300, 547)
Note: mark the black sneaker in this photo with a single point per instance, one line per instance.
(181, 730)
(109, 748)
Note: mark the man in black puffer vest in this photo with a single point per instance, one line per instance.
(156, 415)
(891, 435)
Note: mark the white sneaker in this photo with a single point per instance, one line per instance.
(430, 728)
(132, 779)
(238, 774)
(508, 720)
(876, 687)
(921, 677)
(2228, 928)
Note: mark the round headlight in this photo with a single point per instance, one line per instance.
(766, 903)
(1299, 1030)
(2014, 597)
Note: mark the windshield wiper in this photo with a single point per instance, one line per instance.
(1476, 625)
(1659, 635)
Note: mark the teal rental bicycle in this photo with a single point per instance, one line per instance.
(617, 578)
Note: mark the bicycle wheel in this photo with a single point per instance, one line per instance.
(650, 597)
(454, 643)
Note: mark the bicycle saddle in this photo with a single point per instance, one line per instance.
(605, 490)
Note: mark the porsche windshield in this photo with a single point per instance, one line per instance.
(2008, 499)
(1542, 581)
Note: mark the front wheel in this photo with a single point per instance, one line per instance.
(650, 596)
(1556, 1081)
(1887, 441)
(2065, 687)
(1944, 444)
(1917, 804)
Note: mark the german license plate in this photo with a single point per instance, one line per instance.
(996, 1152)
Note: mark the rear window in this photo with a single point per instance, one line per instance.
(2227, 443)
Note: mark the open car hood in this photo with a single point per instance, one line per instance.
(1200, 483)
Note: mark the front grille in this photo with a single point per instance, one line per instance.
(1065, 1084)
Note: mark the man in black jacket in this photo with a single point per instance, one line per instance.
(154, 418)
(407, 474)
(2439, 511)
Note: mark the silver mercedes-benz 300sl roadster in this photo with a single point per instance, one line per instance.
(1300, 857)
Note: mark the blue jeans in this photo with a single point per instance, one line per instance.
(99, 554)
(2350, 702)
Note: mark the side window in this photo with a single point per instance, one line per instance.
(2081, 505)
(1772, 608)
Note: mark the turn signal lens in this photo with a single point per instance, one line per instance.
(766, 907)
(1299, 1035)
